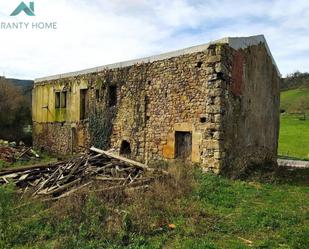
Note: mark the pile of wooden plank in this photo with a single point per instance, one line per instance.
(63, 178)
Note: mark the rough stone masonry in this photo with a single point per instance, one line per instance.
(215, 104)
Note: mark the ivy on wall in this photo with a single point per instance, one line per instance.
(101, 127)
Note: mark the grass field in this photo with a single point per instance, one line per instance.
(208, 211)
(289, 98)
(294, 132)
(294, 137)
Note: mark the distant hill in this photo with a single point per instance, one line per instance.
(26, 85)
(295, 80)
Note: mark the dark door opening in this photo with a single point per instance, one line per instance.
(183, 145)
(125, 148)
(83, 104)
(112, 96)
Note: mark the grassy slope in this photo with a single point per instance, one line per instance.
(294, 133)
(288, 98)
(214, 213)
(294, 137)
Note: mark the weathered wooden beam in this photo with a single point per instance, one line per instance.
(121, 158)
(100, 178)
(61, 188)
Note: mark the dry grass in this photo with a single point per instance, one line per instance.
(142, 211)
(156, 207)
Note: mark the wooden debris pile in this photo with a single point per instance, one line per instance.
(63, 178)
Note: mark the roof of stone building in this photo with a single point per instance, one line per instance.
(234, 42)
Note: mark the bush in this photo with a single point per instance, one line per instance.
(15, 112)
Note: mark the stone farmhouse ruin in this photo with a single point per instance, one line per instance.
(215, 104)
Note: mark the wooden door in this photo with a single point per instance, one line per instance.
(183, 145)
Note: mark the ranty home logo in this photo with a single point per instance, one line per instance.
(20, 25)
(23, 7)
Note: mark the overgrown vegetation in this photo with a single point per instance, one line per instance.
(15, 112)
(100, 127)
(187, 210)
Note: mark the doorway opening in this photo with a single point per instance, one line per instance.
(112, 96)
(125, 148)
(183, 145)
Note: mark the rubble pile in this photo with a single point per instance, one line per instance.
(10, 152)
(60, 179)
(7, 154)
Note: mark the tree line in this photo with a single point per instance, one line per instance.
(15, 112)
(295, 80)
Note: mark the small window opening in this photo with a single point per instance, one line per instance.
(60, 99)
(203, 119)
(125, 148)
(97, 94)
(149, 82)
(199, 64)
(83, 104)
(112, 95)
(57, 100)
(220, 76)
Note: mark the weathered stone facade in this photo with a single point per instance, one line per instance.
(215, 104)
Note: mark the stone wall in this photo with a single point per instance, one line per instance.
(224, 98)
(60, 138)
(251, 123)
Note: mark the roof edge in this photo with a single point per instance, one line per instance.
(244, 42)
(234, 42)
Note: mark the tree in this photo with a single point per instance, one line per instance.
(15, 111)
(302, 106)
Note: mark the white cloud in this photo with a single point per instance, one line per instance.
(93, 33)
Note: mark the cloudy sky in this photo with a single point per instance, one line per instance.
(98, 32)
